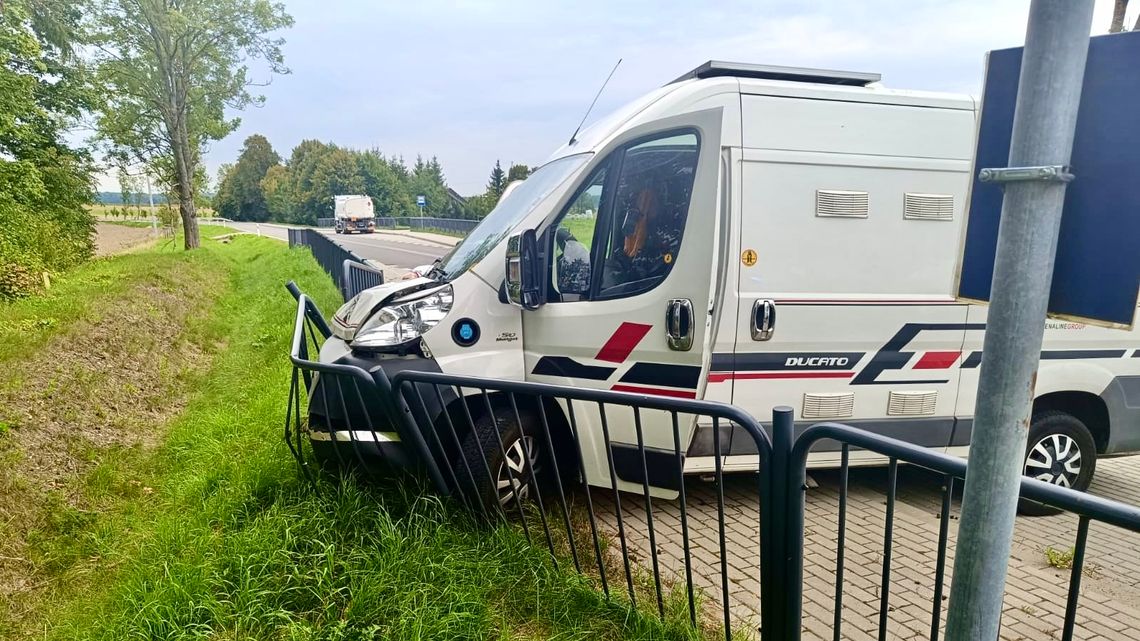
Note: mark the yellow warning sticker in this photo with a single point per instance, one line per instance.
(748, 257)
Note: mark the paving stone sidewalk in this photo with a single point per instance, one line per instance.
(1035, 594)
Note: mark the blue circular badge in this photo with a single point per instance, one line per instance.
(465, 332)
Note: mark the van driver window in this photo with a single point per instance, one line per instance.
(650, 207)
(628, 225)
(573, 238)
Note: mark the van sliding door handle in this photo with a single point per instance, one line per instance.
(679, 324)
(763, 319)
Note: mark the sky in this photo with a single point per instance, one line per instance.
(472, 82)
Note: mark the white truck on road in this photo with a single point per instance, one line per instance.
(353, 213)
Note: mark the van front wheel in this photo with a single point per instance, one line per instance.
(1061, 451)
(518, 468)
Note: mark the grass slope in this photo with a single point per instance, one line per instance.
(213, 534)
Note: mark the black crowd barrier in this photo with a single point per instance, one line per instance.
(573, 466)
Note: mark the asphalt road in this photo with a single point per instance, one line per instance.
(389, 249)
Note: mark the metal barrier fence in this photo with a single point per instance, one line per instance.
(527, 453)
(460, 226)
(350, 272)
(1087, 507)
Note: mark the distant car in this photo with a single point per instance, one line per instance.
(353, 213)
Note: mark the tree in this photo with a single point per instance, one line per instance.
(479, 206)
(45, 184)
(171, 69)
(240, 195)
(427, 180)
(498, 181)
(384, 184)
(127, 188)
(306, 199)
(517, 172)
(1118, 11)
(278, 196)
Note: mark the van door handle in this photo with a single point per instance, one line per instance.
(679, 324)
(763, 319)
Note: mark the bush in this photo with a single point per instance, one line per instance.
(32, 243)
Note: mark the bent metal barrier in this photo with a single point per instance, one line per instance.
(436, 417)
(349, 271)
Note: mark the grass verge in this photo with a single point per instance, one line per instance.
(212, 533)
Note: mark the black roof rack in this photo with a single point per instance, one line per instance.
(717, 68)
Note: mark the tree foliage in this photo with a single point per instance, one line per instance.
(44, 183)
(240, 194)
(517, 171)
(498, 181)
(171, 69)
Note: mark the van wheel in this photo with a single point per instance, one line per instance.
(522, 471)
(1061, 451)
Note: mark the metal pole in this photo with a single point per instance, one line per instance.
(1049, 92)
(150, 197)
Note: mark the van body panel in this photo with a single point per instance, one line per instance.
(1122, 399)
(831, 126)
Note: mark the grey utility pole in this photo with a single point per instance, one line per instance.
(1049, 93)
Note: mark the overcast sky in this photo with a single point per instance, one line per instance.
(475, 81)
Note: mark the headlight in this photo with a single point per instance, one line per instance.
(406, 321)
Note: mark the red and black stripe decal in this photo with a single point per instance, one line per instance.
(665, 375)
(569, 368)
(622, 343)
(975, 358)
(774, 365)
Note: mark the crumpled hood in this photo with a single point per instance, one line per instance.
(352, 314)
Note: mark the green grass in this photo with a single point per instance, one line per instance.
(215, 535)
(582, 228)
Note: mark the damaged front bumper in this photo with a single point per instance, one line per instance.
(343, 407)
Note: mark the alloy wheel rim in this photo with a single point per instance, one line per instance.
(522, 461)
(1055, 459)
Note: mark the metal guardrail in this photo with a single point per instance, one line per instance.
(461, 226)
(350, 272)
(452, 427)
(1087, 507)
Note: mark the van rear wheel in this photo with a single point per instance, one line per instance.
(1061, 451)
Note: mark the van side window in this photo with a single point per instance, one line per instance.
(574, 236)
(651, 203)
(621, 234)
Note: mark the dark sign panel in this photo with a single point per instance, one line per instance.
(1097, 274)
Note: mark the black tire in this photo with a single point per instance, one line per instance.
(1061, 451)
(482, 453)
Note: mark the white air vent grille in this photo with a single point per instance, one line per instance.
(928, 207)
(912, 403)
(835, 405)
(833, 203)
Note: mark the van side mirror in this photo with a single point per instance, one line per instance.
(523, 276)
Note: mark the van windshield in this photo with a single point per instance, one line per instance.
(510, 210)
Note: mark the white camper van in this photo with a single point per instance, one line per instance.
(755, 235)
(353, 213)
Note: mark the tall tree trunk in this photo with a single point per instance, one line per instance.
(184, 167)
(1118, 17)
